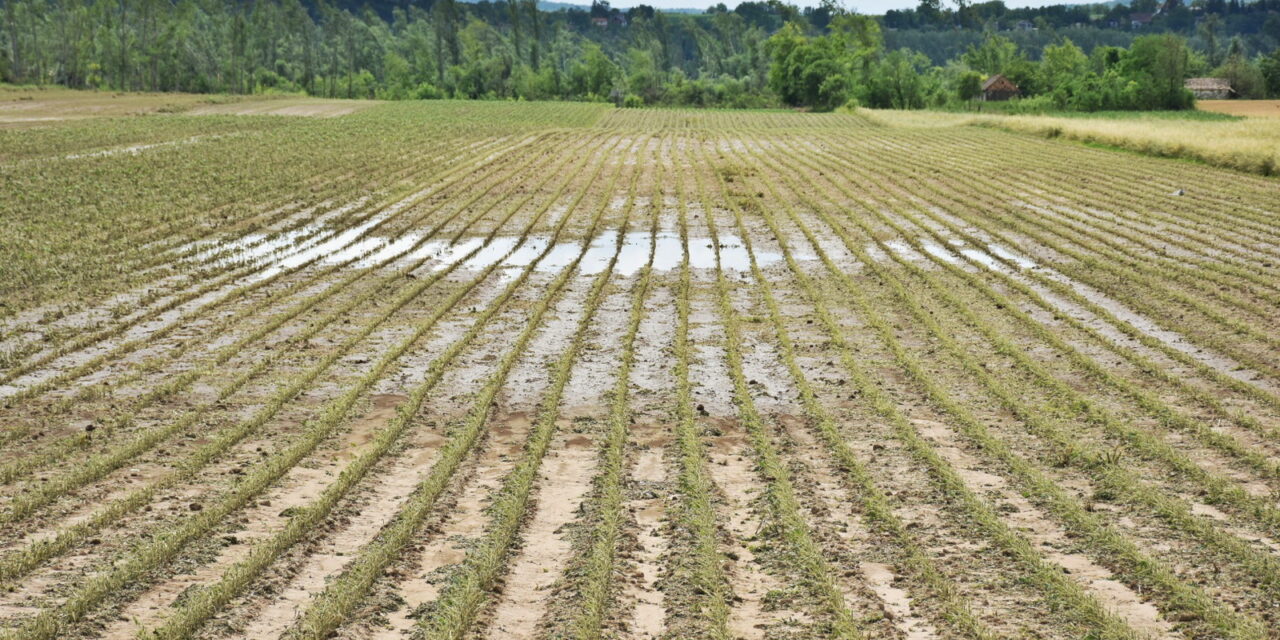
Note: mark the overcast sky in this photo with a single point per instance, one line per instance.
(861, 6)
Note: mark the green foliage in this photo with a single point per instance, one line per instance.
(903, 80)
(996, 54)
(821, 72)
(1269, 67)
(1246, 77)
(1157, 66)
(819, 58)
(969, 86)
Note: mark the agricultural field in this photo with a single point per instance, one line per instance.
(1249, 143)
(538, 370)
(1245, 108)
(36, 106)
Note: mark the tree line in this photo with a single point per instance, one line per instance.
(758, 54)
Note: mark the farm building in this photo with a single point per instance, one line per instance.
(1210, 88)
(998, 88)
(1140, 20)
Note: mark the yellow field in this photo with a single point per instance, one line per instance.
(1248, 108)
(1251, 145)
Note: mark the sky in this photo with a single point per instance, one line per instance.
(874, 7)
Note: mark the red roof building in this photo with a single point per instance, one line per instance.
(998, 88)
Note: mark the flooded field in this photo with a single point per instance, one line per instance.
(506, 370)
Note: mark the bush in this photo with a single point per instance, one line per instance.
(427, 91)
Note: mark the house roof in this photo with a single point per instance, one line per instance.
(1208, 84)
(999, 82)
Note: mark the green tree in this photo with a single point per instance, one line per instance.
(1209, 28)
(643, 77)
(1060, 63)
(902, 80)
(1244, 75)
(969, 85)
(992, 56)
(1269, 65)
(812, 72)
(535, 32)
(1157, 65)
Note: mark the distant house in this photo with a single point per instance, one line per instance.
(1025, 25)
(998, 88)
(1140, 20)
(1210, 88)
(600, 22)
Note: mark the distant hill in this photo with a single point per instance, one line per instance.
(554, 6)
(384, 7)
(566, 6)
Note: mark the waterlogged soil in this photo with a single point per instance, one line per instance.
(924, 311)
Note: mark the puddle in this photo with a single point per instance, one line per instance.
(450, 254)
(296, 247)
(339, 248)
(668, 252)
(1006, 254)
(301, 245)
(135, 149)
(527, 253)
(400, 248)
(989, 258)
(559, 257)
(486, 256)
(597, 257)
(634, 254)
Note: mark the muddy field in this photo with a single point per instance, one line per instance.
(572, 372)
(22, 107)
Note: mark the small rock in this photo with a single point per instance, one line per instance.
(195, 506)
